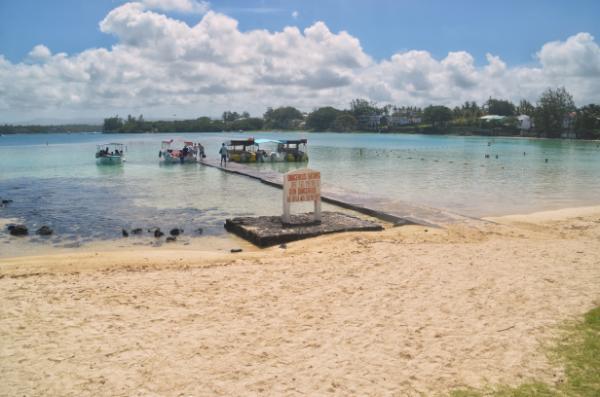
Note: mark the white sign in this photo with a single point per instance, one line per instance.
(301, 185)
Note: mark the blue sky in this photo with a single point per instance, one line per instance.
(515, 30)
(85, 59)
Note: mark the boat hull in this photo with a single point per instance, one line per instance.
(166, 158)
(282, 158)
(245, 157)
(109, 160)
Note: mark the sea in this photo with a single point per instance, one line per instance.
(53, 179)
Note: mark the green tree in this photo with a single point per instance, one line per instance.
(438, 116)
(345, 122)
(322, 119)
(112, 124)
(247, 124)
(525, 107)
(552, 109)
(587, 123)
(362, 107)
(229, 117)
(286, 118)
(500, 107)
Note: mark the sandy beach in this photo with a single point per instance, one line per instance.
(407, 311)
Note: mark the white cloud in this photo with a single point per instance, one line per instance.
(161, 65)
(184, 6)
(295, 14)
(579, 55)
(39, 53)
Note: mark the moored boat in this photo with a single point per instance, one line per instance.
(190, 152)
(285, 150)
(242, 150)
(110, 153)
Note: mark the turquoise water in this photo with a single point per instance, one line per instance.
(53, 179)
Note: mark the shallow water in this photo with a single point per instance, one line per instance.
(54, 180)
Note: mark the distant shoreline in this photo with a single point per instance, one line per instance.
(405, 132)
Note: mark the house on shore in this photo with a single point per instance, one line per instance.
(525, 124)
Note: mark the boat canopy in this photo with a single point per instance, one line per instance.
(241, 142)
(295, 141)
(112, 145)
(262, 140)
(283, 141)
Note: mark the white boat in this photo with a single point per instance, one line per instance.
(110, 153)
(180, 152)
(290, 150)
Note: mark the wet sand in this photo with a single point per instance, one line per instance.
(405, 311)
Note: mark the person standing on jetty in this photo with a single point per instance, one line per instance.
(224, 153)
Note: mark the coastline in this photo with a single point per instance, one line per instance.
(409, 309)
(411, 132)
(219, 246)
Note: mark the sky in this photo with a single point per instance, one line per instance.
(85, 60)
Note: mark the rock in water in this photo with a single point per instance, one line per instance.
(171, 239)
(176, 231)
(199, 230)
(137, 230)
(5, 201)
(18, 230)
(44, 231)
(158, 233)
(125, 233)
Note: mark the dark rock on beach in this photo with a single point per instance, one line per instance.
(176, 232)
(137, 230)
(44, 231)
(171, 239)
(158, 233)
(236, 250)
(18, 230)
(124, 233)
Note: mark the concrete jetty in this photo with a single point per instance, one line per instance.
(265, 231)
(394, 211)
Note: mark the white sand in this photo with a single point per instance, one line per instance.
(400, 312)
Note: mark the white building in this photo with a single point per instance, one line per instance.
(525, 122)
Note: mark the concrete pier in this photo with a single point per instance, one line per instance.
(394, 211)
(265, 231)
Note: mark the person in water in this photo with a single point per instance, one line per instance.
(224, 153)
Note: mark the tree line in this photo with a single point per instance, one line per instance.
(554, 114)
(38, 129)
